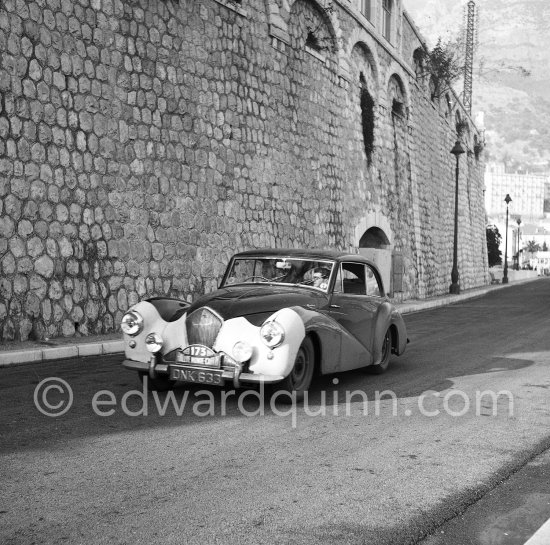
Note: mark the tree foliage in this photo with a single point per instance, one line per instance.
(532, 247)
(444, 66)
(493, 242)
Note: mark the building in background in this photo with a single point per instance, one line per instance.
(530, 198)
(528, 192)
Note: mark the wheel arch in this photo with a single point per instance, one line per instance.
(317, 350)
(394, 338)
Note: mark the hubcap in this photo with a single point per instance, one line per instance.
(386, 348)
(300, 367)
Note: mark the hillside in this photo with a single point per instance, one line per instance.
(511, 67)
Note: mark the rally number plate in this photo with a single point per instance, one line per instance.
(197, 354)
(202, 376)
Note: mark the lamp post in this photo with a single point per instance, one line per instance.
(507, 200)
(457, 151)
(519, 223)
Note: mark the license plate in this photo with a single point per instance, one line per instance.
(196, 375)
(197, 354)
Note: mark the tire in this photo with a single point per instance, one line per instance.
(158, 384)
(382, 367)
(299, 379)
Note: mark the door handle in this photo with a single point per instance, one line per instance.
(311, 305)
(335, 306)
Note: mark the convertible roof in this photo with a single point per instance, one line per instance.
(305, 253)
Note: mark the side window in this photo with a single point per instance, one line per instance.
(353, 278)
(338, 283)
(372, 283)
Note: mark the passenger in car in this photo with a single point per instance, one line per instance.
(320, 277)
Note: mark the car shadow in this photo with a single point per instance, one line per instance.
(107, 399)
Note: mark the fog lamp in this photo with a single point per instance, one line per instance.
(242, 351)
(153, 342)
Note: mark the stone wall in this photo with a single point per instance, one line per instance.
(142, 142)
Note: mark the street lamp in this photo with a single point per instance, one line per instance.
(507, 200)
(457, 151)
(519, 223)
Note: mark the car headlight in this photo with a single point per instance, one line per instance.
(153, 342)
(132, 323)
(272, 334)
(242, 351)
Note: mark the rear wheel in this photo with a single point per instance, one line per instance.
(299, 379)
(386, 354)
(157, 384)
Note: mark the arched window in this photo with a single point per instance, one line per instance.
(365, 8)
(433, 89)
(396, 97)
(367, 118)
(387, 7)
(449, 106)
(418, 62)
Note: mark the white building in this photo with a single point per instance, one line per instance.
(527, 192)
(541, 262)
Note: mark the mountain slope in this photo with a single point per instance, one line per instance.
(511, 66)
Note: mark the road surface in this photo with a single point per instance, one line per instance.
(429, 440)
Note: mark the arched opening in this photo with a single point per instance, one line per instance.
(433, 89)
(310, 26)
(367, 119)
(375, 245)
(374, 238)
(448, 106)
(363, 64)
(396, 97)
(418, 63)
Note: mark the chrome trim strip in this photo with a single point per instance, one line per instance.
(268, 379)
(137, 365)
(211, 310)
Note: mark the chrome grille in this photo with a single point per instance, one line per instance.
(203, 327)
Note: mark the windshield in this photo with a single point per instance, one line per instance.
(280, 270)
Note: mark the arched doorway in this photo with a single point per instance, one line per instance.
(374, 238)
(375, 245)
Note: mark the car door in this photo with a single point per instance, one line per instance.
(354, 304)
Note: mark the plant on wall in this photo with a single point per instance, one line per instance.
(478, 149)
(367, 119)
(461, 128)
(443, 66)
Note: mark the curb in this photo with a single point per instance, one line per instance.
(417, 306)
(409, 307)
(33, 355)
(81, 347)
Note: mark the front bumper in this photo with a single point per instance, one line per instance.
(156, 367)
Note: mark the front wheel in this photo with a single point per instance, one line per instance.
(157, 384)
(301, 375)
(382, 367)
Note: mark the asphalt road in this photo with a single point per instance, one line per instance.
(217, 471)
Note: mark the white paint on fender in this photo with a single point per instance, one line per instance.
(173, 334)
(240, 329)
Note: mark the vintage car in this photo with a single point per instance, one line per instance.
(279, 316)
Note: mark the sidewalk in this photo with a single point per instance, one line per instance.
(17, 352)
